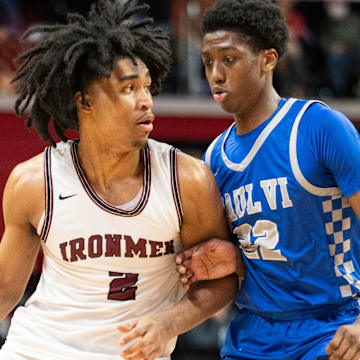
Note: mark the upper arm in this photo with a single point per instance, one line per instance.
(203, 212)
(22, 203)
(336, 145)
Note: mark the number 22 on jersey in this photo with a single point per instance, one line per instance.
(259, 241)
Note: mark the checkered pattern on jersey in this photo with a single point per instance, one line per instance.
(337, 225)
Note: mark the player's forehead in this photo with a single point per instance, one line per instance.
(126, 67)
(124, 71)
(222, 40)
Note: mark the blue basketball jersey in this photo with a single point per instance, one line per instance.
(284, 186)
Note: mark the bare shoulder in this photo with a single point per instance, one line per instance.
(194, 174)
(203, 213)
(24, 191)
(27, 175)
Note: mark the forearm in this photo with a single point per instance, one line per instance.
(201, 301)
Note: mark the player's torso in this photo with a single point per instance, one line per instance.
(296, 244)
(103, 265)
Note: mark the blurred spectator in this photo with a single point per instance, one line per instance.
(185, 17)
(10, 16)
(339, 37)
(291, 73)
(9, 49)
(10, 27)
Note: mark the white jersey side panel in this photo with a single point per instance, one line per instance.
(102, 265)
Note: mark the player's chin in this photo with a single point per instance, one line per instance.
(140, 144)
(229, 107)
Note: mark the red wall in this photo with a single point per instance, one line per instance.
(17, 144)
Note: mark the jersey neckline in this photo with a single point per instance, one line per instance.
(102, 203)
(279, 115)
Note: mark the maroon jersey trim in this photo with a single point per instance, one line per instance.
(175, 184)
(49, 201)
(103, 204)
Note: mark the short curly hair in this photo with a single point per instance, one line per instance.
(69, 57)
(259, 22)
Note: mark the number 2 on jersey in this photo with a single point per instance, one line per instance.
(260, 240)
(122, 287)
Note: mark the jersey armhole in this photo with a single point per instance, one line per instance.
(175, 184)
(295, 167)
(47, 216)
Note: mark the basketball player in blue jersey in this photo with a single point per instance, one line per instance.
(289, 176)
(109, 210)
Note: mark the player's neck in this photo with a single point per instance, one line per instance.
(103, 167)
(258, 112)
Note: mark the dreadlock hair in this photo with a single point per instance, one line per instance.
(69, 57)
(258, 22)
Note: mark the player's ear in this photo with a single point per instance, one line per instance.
(82, 104)
(269, 59)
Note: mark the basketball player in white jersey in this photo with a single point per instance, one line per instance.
(109, 210)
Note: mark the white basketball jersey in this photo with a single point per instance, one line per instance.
(102, 265)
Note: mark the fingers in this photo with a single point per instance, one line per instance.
(184, 255)
(131, 332)
(132, 341)
(186, 274)
(350, 354)
(338, 353)
(186, 282)
(141, 356)
(187, 279)
(140, 347)
(335, 342)
(184, 267)
(345, 345)
(126, 327)
(179, 258)
(181, 269)
(134, 351)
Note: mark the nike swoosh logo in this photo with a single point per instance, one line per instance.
(65, 197)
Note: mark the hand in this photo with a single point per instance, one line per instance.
(212, 259)
(147, 338)
(345, 345)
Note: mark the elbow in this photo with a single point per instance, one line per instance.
(9, 298)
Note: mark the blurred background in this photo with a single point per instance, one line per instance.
(322, 62)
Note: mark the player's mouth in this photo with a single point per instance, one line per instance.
(219, 94)
(146, 122)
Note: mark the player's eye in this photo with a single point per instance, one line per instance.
(207, 62)
(129, 88)
(229, 59)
